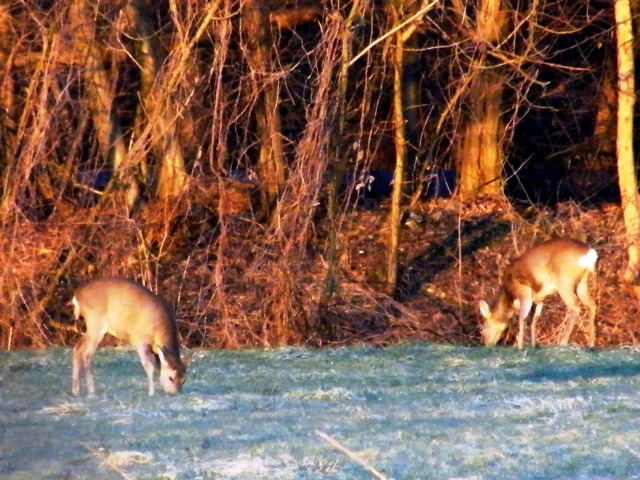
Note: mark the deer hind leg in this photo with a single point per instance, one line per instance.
(585, 297)
(536, 316)
(568, 296)
(83, 361)
(524, 308)
(148, 360)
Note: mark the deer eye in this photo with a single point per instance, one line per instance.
(171, 379)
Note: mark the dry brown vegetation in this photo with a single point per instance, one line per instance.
(217, 152)
(449, 262)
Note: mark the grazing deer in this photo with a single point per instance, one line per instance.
(130, 312)
(562, 265)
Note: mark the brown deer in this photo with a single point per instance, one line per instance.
(130, 312)
(561, 265)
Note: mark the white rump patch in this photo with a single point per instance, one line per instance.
(588, 261)
(76, 307)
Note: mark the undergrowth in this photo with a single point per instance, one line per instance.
(237, 284)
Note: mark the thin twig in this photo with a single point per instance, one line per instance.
(409, 20)
(351, 454)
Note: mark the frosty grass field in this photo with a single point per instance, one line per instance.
(415, 411)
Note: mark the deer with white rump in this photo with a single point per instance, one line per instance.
(561, 265)
(130, 312)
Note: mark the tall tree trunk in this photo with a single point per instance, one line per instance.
(7, 107)
(412, 99)
(626, 167)
(100, 99)
(7, 111)
(271, 162)
(156, 101)
(398, 175)
(405, 14)
(604, 131)
(480, 156)
(338, 165)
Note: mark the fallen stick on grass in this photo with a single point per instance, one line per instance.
(351, 454)
(105, 460)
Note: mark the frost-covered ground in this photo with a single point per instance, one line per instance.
(411, 411)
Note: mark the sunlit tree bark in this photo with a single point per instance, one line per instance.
(480, 156)
(626, 166)
(401, 150)
(99, 97)
(155, 102)
(604, 131)
(338, 166)
(404, 24)
(271, 170)
(7, 124)
(6, 88)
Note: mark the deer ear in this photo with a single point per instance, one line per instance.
(161, 356)
(166, 358)
(484, 309)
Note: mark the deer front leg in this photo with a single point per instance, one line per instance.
(148, 360)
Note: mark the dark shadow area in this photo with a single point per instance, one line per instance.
(377, 185)
(424, 267)
(545, 186)
(578, 372)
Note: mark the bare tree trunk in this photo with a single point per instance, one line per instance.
(271, 162)
(167, 145)
(100, 99)
(337, 167)
(626, 167)
(412, 99)
(398, 176)
(480, 156)
(401, 11)
(7, 107)
(604, 131)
